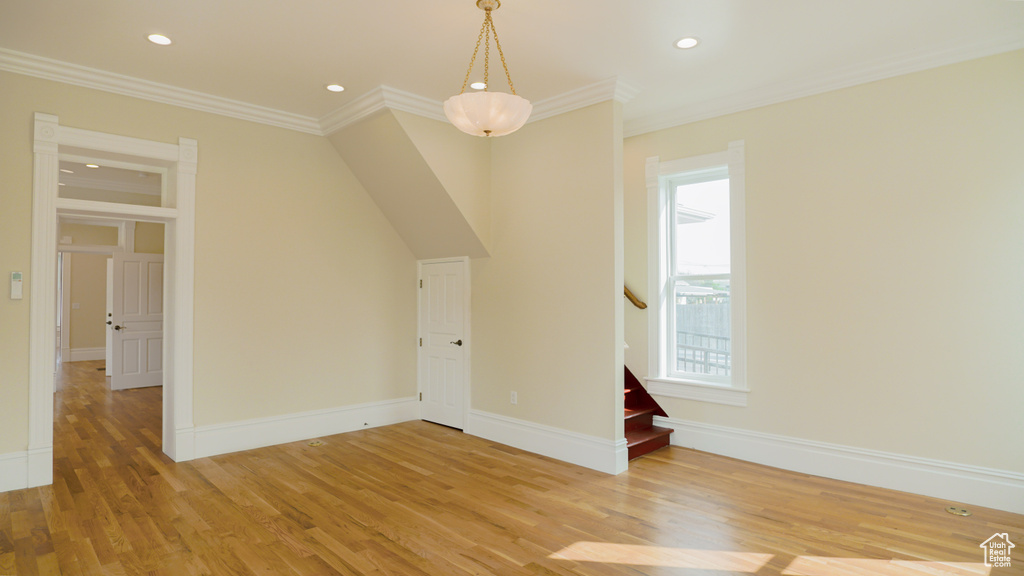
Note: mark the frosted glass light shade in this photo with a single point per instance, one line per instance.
(488, 113)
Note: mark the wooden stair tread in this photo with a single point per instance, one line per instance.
(635, 437)
(642, 436)
(637, 412)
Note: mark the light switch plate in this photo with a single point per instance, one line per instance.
(16, 282)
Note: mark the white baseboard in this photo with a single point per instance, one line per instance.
(588, 451)
(184, 445)
(85, 354)
(40, 466)
(257, 433)
(958, 483)
(13, 471)
(27, 469)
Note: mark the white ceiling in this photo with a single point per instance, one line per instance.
(280, 54)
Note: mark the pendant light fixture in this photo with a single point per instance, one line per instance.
(487, 113)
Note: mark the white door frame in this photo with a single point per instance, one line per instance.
(176, 212)
(65, 309)
(467, 346)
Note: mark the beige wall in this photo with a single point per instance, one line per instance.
(88, 286)
(544, 303)
(149, 238)
(89, 235)
(304, 293)
(395, 172)
(885, 226)
(15, 253)
(461, 164)
(89, 291)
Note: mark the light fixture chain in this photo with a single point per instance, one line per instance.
(496, 113)
(502, 54)
(489, 25)
(475, 50)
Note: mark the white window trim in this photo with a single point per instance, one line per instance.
(659, 220)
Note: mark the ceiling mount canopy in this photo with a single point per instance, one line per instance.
(487, 113)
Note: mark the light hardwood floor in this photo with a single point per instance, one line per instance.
(421, 499)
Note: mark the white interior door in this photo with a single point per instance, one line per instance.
(138, 301)
(443, 342)
(109, 356)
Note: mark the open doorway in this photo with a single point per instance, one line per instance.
(175, 209)
(109, 311)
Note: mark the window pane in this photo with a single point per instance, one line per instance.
(701, 232)
(81, 181)
(703, 327)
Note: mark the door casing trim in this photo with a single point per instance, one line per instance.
(177, 212)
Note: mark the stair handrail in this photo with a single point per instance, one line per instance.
(636, 301)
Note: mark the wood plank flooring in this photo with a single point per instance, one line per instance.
(420, 499)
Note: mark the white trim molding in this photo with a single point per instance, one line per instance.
(363, 106)
(379, 100)
(699, 391)
(217, 439)
(888, 67)
(601, 454)
(603, 91)
(13, 471)
(661, 220)
(48, 69)
(27, 469)
(50, 141)
(386, 98)
(962, 483)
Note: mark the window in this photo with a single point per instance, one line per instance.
(698, 322)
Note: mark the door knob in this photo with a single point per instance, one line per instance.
(458, 342)
(117, 327)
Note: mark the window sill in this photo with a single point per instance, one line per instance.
(715, 394)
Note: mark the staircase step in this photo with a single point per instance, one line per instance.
(639, 418)
(640, 442)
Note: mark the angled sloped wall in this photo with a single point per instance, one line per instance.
(397, 175)
(462, 164)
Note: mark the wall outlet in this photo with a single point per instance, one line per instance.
(514, 399)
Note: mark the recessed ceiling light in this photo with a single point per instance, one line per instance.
(91, 166)
(159, 39)
(335, 87)
(66, 171)
(688, 42)
(61, 184)
(478, 85)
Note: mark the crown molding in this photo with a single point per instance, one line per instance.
(378, 100)
(413, 103)
(47, 69)
(881, 69)
(610, 89)
(387, 98)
